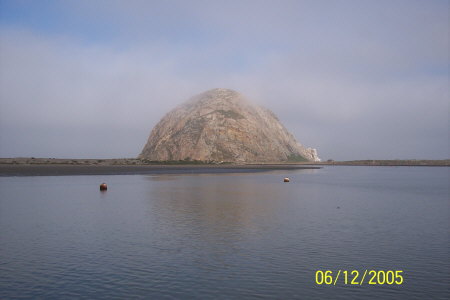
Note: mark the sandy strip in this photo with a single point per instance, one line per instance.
(56, 170)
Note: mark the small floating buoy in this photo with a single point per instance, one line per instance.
(286, 179)
(103, 187)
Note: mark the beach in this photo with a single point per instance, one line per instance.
(88, 169)
(131, 166)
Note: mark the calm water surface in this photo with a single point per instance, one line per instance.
(225, 236)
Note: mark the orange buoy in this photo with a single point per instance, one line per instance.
(286, 179)
(103, 187)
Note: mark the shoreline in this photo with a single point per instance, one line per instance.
(390, 163)
(61, 169)
(57, 167)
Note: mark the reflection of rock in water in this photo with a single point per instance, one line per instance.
(223, 207)
(164, 177)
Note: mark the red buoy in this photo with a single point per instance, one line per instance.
(103, 187)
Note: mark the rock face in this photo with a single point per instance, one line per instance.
(221, 125)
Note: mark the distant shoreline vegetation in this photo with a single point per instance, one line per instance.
(293, 159)
(186, 161)
(390, 162)
(100, 162)
(296, 158)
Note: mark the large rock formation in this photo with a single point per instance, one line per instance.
(221, 125)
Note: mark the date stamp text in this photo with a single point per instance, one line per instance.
(355, 277)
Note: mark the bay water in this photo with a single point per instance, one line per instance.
(226, 236)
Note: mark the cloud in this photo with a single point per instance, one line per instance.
(50, 84)
(354, 79)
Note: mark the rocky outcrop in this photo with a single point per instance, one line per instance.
(221, 125)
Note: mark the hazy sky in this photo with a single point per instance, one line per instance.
(354, 79)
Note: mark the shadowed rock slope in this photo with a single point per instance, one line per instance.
(221, 125)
